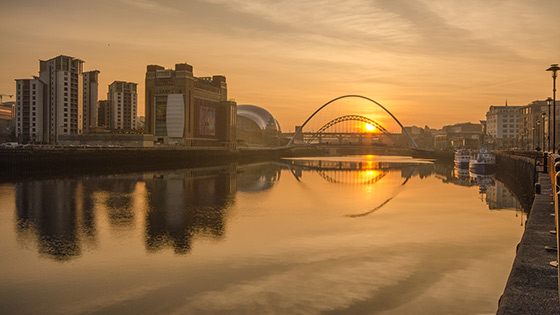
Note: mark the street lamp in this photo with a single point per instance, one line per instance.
(543, 115)
(533, 136)
(549, 102)
(554, 68)
(537, 131)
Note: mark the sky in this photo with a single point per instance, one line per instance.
(430, 62)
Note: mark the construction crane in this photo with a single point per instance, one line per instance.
(2, 95)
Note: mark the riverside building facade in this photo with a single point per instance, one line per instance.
(533, 126)
(50, 105)
(502, 125)
(30, 109)
(63, 78)
(122, 97)
(104, 114)
(185, 110)
(90, 92)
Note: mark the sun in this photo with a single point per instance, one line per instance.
(370, 127)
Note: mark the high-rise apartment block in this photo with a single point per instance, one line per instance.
(502, 124)
(104, 114)
(122, 97)
(51, 104)
(91, 83)
(182, 109)
(63, 77)
(31, 118)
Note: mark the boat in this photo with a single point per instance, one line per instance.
(482, 162)
(462, 158)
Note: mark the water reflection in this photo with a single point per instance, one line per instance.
(182, 205)
(354, 171)
(492, 192)
(47, 210)
(258, 177)
(60, 217)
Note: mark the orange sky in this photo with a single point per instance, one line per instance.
(429, 62)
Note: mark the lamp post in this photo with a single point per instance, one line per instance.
(533, 136)
(554, 68)
(538, 131)
(549, 102)
(543, 115)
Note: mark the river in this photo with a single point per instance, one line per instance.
(342, 235)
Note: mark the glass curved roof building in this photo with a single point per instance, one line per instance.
(257, 126)
(260, 116)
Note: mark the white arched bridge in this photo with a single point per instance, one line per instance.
(348, 126)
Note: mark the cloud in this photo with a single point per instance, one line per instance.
(338, 18)
(150, 5)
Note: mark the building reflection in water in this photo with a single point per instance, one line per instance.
(119, 200)
(258, 177)
(47, 212)
(183, 204)
(498, 197)
(60, 215)
(491, 191)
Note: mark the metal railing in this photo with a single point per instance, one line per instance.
(553, 167)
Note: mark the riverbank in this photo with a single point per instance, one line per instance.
(36, 162)
(532, 287)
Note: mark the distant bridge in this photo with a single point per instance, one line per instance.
(350, 134)
(322, 131)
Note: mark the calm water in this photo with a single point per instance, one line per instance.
(357, 235)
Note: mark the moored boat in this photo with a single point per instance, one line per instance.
(482, 162)
(462, 158)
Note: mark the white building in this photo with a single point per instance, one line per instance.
(91, 83)
(123, 99)
(30, 109)
(502, 124)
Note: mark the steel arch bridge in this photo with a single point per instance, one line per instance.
(299, 131)
(341, 119)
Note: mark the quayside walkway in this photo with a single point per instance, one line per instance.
(532, 286)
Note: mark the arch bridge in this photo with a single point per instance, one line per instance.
(299, 133)
(372, 129)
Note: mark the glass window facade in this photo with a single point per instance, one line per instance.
(161, 115)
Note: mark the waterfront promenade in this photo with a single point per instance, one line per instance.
(532, 287)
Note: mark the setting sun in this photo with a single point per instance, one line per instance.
(370, 127)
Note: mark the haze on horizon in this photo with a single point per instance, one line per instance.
(429, 62)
